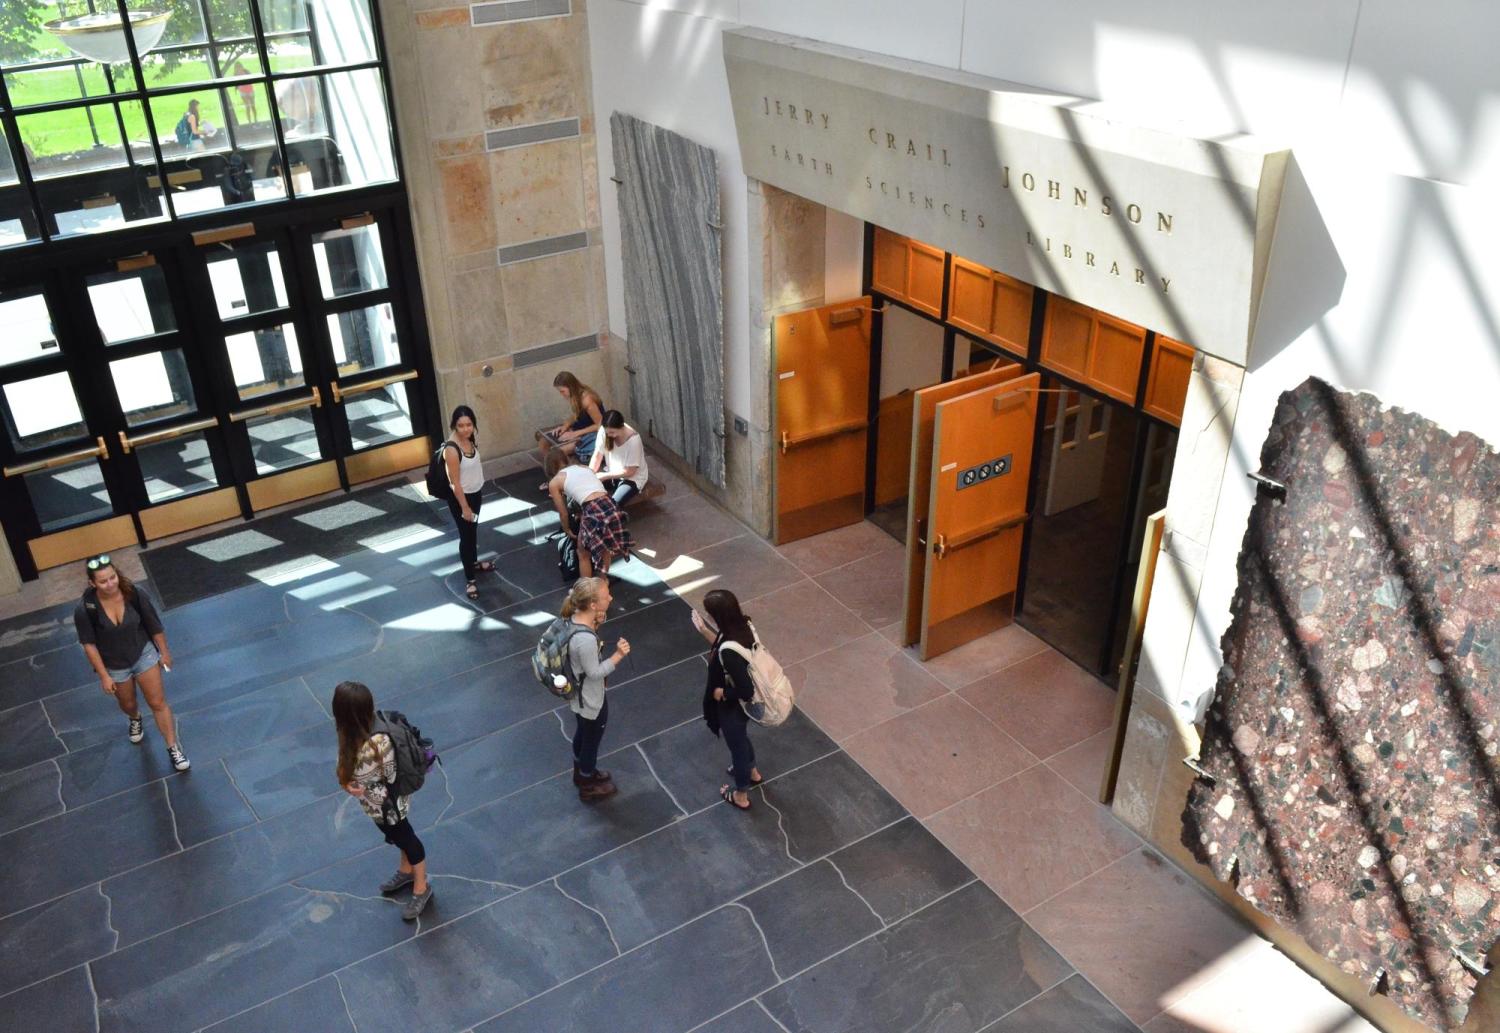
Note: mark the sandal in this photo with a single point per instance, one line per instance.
(754, 781)
(471, 590)
(486, 566)
(728, 795)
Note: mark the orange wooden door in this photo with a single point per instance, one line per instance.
(981, 466)
(821, 358)
(924, 416)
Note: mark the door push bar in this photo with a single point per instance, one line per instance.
(944, 546)
(99, 451)
(314, 401)
(155, 437)
(340, 393)
(847, 427)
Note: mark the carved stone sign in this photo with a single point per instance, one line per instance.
(1165, 230)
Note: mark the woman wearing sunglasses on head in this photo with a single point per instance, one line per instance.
(123, 638)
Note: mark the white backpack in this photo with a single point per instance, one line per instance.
(774, 695)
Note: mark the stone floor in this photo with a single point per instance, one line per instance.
(926, 853)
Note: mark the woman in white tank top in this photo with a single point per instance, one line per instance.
(601, 534)
(466, 479)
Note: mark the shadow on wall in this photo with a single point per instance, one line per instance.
(1305, 277)
(1352, 791)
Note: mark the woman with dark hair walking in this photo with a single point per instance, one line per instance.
(123, 637)
(730, 690)
(587, 605)
(366, 769)
(466, 481)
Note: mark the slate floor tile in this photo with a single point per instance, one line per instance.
(957, 965)
(452, 898)
(901, 869)
(205, 803)
(524, 945)
(54, 937)
(652, 703)
(749, 1017)
(29, 795)
(463, 707)
(40, 631)
(286, 773)
(659, 636)
(500, 763)
(62, 1004)
(828, 804)
(235, 959)
(681, 871)
(63, 852)
(316, 1006)
(643, 991)
(746, 566)
(38, 676)
(1072, 1006)
(690, 760)
(186, 886)
(26, 736)
(810, 915)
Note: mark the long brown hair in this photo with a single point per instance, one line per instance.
(724, 607)
(354, 717)
(127, 586)
(577, 391)
(613, 420)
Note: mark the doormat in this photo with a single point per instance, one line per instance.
(273, 549)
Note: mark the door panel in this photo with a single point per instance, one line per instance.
(1080, 446)
(981, 468)
(822, 362)
(924, 414)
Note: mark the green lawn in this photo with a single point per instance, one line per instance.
(64, 132)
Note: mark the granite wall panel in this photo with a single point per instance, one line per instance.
(1352, 790)
(674, 289)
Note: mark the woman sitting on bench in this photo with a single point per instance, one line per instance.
(575, 438)
(620, 453)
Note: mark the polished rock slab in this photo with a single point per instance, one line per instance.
(674, 290)
(316, 1006)
(62, 1004)
(1072, 1006)
(54, 937)
(810, 915)
(1350, 748)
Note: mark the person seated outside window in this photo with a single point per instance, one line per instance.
(620, 458)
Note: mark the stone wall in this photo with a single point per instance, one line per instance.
(498, 151)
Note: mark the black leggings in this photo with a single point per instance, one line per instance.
(403, 836)
(587, 735)
(468, 534)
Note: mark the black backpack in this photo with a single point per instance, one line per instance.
(567, 556)
(414, 753)
(437, 474)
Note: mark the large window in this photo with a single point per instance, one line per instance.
(115, 113)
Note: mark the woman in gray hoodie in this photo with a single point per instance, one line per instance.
(587, 605)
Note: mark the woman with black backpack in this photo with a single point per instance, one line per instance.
(366, 769)
(730, 690)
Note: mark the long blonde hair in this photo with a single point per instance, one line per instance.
(577, 391)
(582, 595)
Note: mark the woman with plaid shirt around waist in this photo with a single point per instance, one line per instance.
(601, 533)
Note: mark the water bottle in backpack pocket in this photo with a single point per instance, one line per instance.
(552, 663)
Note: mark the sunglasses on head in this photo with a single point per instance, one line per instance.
(97, 562)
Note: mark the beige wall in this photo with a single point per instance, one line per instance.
(451, 82)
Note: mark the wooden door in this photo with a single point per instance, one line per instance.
(924, 415)
(822, 417)
(981, 465)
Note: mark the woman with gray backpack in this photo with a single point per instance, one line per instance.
(382, 761)
(568, 661)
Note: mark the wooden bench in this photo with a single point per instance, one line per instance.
(652, 490)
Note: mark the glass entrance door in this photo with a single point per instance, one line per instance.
(152, 394)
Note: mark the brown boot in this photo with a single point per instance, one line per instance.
(579, 779)
(593, 791)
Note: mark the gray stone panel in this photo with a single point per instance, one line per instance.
(670, 215)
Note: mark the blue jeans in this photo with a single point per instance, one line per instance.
(624, 491)
(587, 735)
(735, 727)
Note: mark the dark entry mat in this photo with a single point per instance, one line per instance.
(274, 548)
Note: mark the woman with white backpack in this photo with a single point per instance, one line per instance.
(730, 690)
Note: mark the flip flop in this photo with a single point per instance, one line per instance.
(471, 590)
(485, 566)
(728, 795)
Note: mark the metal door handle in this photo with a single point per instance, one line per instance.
(340, 393)
(941, 548)
(99, 451)
(155, 437)
(313, 400)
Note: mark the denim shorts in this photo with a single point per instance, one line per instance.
(148, 659)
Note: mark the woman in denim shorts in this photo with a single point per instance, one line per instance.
(123, 638)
